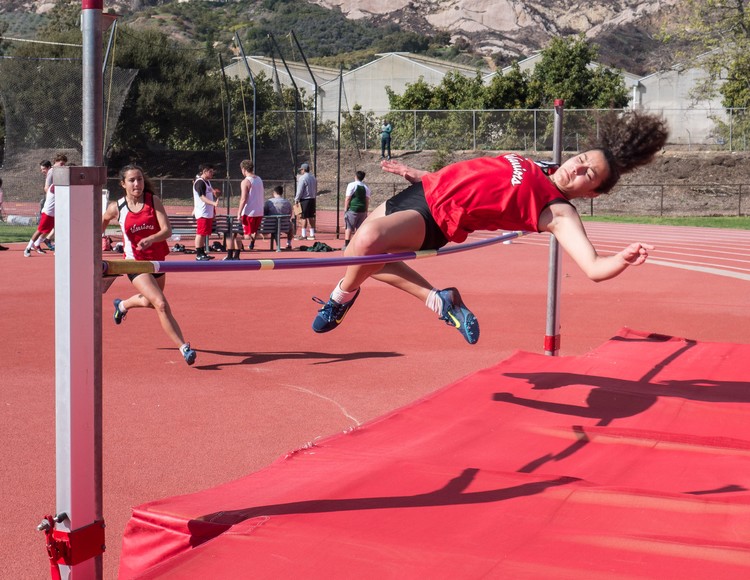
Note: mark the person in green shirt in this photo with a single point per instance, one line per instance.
(385, 139)
(355, 206)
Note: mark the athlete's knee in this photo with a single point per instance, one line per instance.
(160, 305)
(367, 240)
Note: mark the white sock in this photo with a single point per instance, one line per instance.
(304, 232)
(38, 242)
(340, 295)
(312, 232)
(121, 307)
(434, 302)
(184, 347)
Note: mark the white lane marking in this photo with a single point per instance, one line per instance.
(704, 269)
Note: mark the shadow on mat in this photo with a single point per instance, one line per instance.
(209, 526)
(612, 398)
(256, 358)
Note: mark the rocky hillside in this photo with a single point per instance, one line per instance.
(502, 30)
(624, 29)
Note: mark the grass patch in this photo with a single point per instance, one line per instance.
(9, 233)
(727, 222)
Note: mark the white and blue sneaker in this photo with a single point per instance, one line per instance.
(332, 313)
(118, 314)
(188, 353)
(455, 314)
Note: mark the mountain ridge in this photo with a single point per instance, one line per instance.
(500, 31)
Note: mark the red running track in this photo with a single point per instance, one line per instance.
(265, 384)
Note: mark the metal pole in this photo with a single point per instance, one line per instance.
(554, 275)
(255, 91)
(338, 158)
(78, 328)
(297, 101)
(228, 144)
(315, 106)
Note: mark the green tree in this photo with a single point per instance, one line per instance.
(568, 71)
(509, 91)
(718, 32)
(175, 101)
(456, 91)
(716, 39)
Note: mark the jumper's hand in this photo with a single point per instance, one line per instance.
(144, 243)
(409, 173)
(636, 253)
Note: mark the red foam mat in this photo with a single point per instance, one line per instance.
(630, 461)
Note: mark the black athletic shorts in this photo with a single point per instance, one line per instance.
(308, 208)
(132, 277)
(413, 198)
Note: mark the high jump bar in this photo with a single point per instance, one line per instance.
(118, 267)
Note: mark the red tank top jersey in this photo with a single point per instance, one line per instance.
(507, 192)
(138, 225)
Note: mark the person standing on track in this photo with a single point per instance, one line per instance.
(145, 229)
(507, 192)
(356, 206)
(204, 209)
(307, 191)
(250, 210)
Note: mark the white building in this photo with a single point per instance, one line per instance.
(691, 122)
(667, 92)
(363, 86)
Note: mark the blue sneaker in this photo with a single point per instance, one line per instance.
(118, 315)
(457, 315)
(189, 354)
(332, 313)
(49, 245)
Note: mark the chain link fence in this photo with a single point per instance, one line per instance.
(692, 129)
(42, 100)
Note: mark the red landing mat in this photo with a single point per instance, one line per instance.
(630, 461)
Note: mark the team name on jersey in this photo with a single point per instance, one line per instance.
(141, 227)
(518, 170)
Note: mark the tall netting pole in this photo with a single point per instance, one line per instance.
(78, 537)
(554, 275)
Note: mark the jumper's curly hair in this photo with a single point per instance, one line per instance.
(628, 140)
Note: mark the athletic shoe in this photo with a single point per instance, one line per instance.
(27, 253)
(332, 313)
(203, 257)
(311, 238)
(39, 250)
(189, 354)
(118, 315)
(49, 245)
(455, 314)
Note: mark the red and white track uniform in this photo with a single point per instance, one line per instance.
(138, 225)
(507, 192)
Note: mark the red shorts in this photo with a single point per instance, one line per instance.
(203, 226)
(251, 223)
(46, 223)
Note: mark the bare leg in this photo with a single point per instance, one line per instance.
(200, 241)
(401, 276)
(380, 234)
(152, 296)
